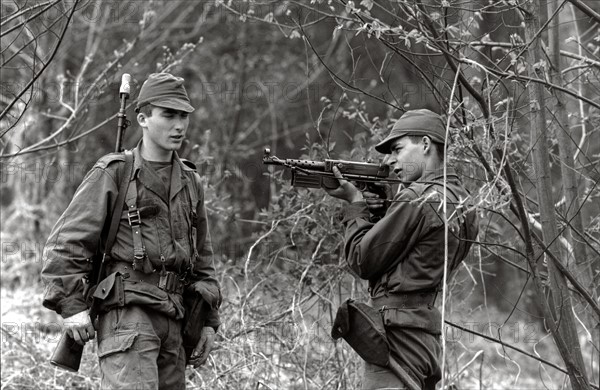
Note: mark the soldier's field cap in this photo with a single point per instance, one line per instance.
(164, 90)
(415, 122)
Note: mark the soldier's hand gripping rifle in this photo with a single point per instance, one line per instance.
(319, 174)
(68, 352)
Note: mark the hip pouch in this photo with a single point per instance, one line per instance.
(109, 293)
(362, 328)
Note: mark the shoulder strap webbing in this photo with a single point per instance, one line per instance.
(141, 262)
(116, 214)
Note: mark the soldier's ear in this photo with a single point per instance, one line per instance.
(426, 144)
(141, 118)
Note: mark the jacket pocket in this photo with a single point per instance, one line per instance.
(116, 343)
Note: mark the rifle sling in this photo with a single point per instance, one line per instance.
(115, 219)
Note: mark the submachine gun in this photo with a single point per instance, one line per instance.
(319, 174)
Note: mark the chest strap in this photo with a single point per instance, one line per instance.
(140, 258)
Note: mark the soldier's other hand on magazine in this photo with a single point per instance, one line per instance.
(346, 190)
(377, 197)
(80, 327)
(205, 345)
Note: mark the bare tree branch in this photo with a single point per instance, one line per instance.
(586, 9)
(507, 345)
(49, 5)
(38, 74)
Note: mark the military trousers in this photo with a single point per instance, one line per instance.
(140, 349)
(416, 350)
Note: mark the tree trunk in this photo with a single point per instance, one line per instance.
(566, 146)
(563, 321)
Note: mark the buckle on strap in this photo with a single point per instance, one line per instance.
(139, 254)
(133, 216)
(170, 282)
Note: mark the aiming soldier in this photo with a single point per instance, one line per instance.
(402, 254)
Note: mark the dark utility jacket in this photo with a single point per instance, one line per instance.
(404, 251)
(168, 227)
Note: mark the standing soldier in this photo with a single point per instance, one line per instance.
(162, 248)
(402, 254)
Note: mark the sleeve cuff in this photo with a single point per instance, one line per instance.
(353, 211)
(68, 307)
(213, 320)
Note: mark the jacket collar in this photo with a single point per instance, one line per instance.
(178, 178)
(149, 178)
(438, 174)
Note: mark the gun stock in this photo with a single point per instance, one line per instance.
(67, 354)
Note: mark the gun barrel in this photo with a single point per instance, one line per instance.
(357, 169)
(290, 162)
(306, 164)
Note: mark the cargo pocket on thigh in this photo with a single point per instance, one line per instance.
(117, 363)
(115, 344)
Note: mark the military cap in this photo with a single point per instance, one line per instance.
(415, 122)
(164, 90)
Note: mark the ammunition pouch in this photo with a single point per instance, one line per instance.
(362, 328)
(168, 281)
(109, 293)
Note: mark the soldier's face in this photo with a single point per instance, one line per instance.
(165, 128)
(408, 159)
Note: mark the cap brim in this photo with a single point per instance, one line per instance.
(384, 146)
(175, 104)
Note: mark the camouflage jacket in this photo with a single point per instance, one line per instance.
(168, 232)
